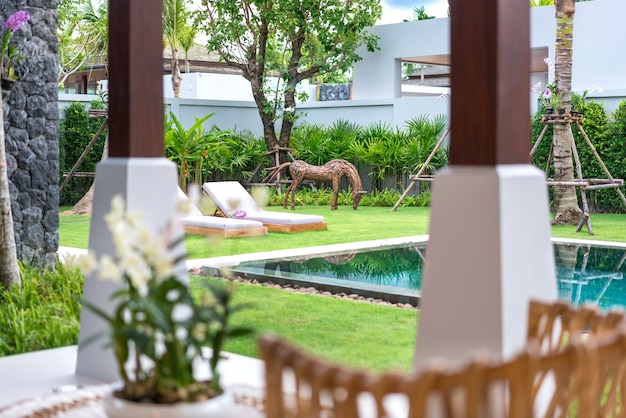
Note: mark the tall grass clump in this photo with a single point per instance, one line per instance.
(43, 313)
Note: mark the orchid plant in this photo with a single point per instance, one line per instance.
(158, 329)
(549, 95)
(9, 54)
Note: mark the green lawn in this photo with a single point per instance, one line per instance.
(350, 332)
(344, 225)
(355, 333)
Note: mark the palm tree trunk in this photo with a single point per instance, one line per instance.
(9, 268)
(567, 210)
(85, 204)
(177, 78)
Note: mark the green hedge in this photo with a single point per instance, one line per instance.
(76, 131)
(608, 136)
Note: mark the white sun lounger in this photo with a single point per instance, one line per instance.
(231, 197)
(194, 222)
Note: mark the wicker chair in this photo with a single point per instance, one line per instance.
(583, 375)
(552, 324)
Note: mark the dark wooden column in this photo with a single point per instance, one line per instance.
(135, 78)
(490, 116)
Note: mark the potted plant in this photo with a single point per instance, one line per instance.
(158, 330)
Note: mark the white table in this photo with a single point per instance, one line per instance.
(24, 377)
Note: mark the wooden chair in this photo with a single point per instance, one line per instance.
(582, 376)
(551, 324)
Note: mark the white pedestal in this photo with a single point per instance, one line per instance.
(148, 185)
(489, 253)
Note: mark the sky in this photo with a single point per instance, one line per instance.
(395, 11)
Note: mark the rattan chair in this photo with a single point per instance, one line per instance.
(583, 376)
(553, 323)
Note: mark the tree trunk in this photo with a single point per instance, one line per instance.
(9, 268)
(85, 204)
(567, 210)
(177, 78)
(267, 116)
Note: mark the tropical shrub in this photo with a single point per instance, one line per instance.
(395, 153)
(76, 131)
(232, 155)
(187, 148)
(323, 196)
(615, 159)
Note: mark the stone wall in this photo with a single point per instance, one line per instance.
(329, 92)
(31, 120)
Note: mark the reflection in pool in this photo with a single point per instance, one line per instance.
(585, 273)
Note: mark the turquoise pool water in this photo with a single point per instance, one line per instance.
(585, 273)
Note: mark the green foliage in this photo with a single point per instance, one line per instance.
(323, 197)
(419, 13)
(295, 40)
(317, 144)
(213, 154)
(83, 34)
(394, 152)
(233, 155)
(189, 147)
(595, 126)
(607, 136)
(76, 131)
(43, 313)
(615, 159)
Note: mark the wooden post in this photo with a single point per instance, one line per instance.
(135, 78)
(490, 64)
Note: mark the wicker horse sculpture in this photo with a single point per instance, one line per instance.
(331, 172)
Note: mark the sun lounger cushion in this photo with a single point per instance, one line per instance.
(231, 196)
(216, 222)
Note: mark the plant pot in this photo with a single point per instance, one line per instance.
(219, 407)
(7, 85)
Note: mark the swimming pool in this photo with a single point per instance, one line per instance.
(587, 272)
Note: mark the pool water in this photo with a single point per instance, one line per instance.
(585, 273)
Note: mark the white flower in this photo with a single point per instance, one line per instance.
(87, 263)
(117, 207)
(109, 269)
(164, 267)
(261, 196)
(182, 313)
(135, 267)
(134, 218)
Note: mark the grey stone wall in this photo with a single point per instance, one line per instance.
(329, 92)
(31, 120)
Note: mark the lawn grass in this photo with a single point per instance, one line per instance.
(355, 333)
(359, 334)
(344, 225)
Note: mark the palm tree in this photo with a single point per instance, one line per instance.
(83, 36)
(187, 40)
(174, 23)
(9, 268)
(565, 199)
